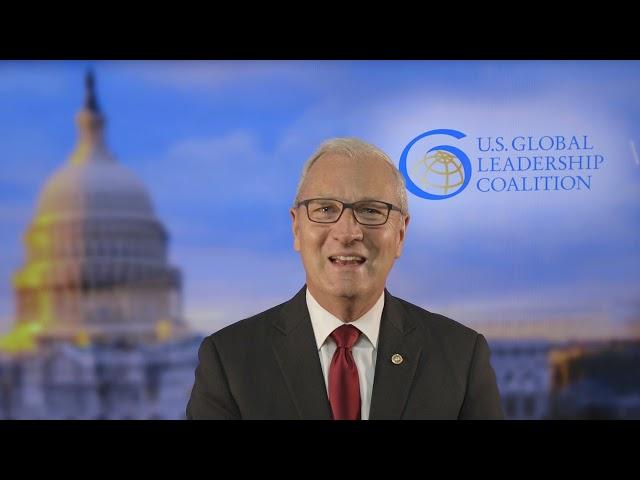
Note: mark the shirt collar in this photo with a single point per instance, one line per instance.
(324, 322)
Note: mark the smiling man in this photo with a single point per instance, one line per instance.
(343, 347)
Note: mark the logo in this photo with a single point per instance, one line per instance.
(441, 172)
(509, 164)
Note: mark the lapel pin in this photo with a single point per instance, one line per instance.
(397, 359)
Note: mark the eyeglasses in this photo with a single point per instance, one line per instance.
(366, 212)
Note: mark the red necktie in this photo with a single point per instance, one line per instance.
(344, 386)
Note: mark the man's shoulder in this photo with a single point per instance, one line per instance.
(259, 325)
(436, 323)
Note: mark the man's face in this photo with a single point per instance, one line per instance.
(348, 180)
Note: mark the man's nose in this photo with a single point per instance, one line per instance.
(347, 229)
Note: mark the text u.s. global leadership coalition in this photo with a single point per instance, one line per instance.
(539, 163)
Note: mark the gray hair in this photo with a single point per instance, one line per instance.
(351, 147)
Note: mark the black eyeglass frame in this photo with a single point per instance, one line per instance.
(346, 205)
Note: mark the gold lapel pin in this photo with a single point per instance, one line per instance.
(397, 359)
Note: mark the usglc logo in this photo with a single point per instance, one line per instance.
(442, 172)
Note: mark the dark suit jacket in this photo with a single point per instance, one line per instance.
(268, 367)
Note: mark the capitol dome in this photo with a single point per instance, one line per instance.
(92, 183)
(97, 188)
(96, 254)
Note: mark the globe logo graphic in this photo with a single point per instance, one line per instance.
(439, 173)
(442, 172)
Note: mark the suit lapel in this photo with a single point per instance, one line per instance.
(297, 354)
(392, 382)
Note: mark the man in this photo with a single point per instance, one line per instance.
(344, 347)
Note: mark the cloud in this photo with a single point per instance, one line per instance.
(571, 214)
(227, 284)
(590, 307)
(518, 255)
(553, 220)
(216, 76)
(220, 190)
(216, 169)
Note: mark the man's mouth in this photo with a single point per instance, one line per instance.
(345, 260)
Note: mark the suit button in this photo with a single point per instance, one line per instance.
(397, 359)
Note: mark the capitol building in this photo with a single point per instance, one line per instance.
(98, 330)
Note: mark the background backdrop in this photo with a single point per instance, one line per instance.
(543, 260)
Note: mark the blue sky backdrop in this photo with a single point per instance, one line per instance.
(220, 146)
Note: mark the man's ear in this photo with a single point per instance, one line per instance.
(295, 227)
(401, 234)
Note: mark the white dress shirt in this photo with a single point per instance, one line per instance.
(364, 350)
